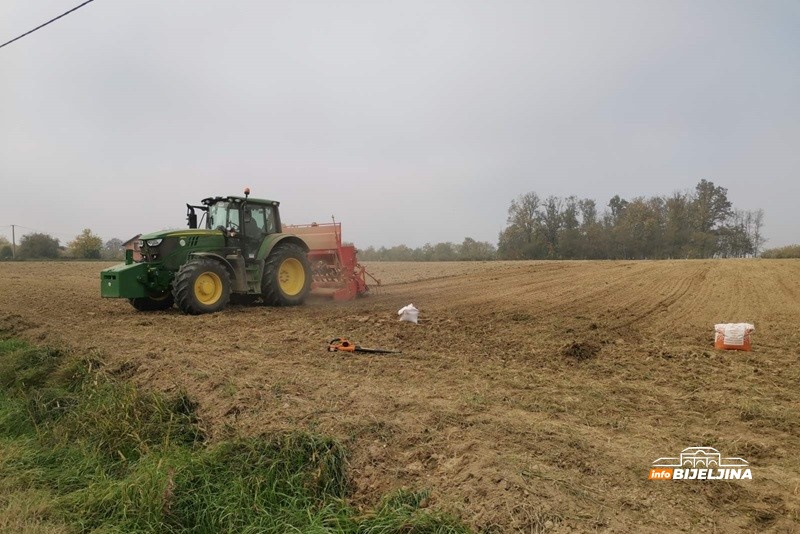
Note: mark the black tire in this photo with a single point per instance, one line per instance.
(281, 284)
(202, 286)
(153, 303)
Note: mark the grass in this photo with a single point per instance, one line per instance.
(790, 251)
(83, 452)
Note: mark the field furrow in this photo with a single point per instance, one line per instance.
(530, 392)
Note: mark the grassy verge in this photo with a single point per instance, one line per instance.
(82, 452)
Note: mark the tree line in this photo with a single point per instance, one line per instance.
(41, 246)
(468, 250)
(701, 223)
(697, 224)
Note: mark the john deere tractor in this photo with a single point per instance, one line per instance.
(240, 254)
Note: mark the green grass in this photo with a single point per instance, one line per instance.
(84, 452)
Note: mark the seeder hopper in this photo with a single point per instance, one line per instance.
(335, 271)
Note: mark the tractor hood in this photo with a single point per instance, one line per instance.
(180, 233)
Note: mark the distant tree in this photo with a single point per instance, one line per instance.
(677, 225)
(617, 205)
(523, 213)
(520, 239)
(37, 246)
(790, 251)
(112, 250)
(6, 250)
(399, 253)
(445, 252)
(593, 235)
(570, 242)
(550, 221)
(368, 254)
(588, 208)
(733, 238)
(710, 208)
(86, 245)
(471, 250)
(757, 236)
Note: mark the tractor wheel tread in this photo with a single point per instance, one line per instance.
(184, 282)
(270, 286)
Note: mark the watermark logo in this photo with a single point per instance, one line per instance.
(700, 463)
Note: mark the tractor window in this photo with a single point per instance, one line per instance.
(260, 219)
(223, 214)
(218, 215)
(255, 218)
(233, 218)
(269, 212)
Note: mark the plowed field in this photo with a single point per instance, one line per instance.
(531, 395)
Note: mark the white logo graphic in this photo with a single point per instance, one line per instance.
(700, 463)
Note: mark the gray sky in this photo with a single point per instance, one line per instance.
(411, 121)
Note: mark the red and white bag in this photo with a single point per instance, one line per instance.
(733, 336)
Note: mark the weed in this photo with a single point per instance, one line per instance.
(85, 451)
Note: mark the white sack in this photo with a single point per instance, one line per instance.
(409, 313)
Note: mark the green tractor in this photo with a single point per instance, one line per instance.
(241, 254)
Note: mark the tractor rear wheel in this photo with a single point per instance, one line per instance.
(153, 302)
(202, 286)
(287, 276)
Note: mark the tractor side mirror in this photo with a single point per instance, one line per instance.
(191, 216)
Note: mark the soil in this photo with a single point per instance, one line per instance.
(531, 395)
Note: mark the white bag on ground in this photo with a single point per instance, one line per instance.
(409, 313)
(733, 336)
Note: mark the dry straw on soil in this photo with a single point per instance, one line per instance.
(483, 407)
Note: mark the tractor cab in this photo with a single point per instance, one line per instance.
(244, 221)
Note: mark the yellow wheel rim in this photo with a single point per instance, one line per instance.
(291, 276)
(208, 288)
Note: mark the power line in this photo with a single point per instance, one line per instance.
(46, 23)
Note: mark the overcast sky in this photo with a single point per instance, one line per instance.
(410, 121)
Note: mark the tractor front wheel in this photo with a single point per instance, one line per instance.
(202, 286)
(287, 276)
(160, 302)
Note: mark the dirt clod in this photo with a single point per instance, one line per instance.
(581, 350)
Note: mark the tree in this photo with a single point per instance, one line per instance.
(6, 250)
(677, 226)
(523, 213)
(551, 220)
(37, 246)
(445, 252)
(471, 250)
(86, 245)
(570, 243)
(594, 236)
(733, 239)
(112, 250)
(757, 224)
(617, 205)
(710, 208)
(520, 240)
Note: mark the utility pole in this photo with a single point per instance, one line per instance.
(13, 244)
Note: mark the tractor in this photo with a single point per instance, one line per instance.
(239, 254)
